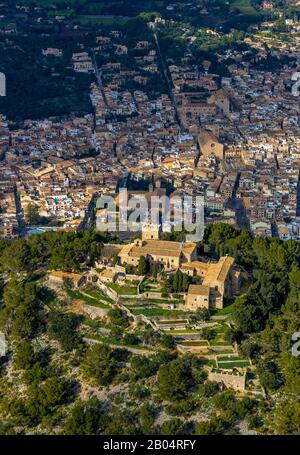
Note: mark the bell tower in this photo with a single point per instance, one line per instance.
(150, 231)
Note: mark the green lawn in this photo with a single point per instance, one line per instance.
(216, 342)
(173, 321)
(145, 300)
(122, 290)
(166, 302)
(194, 343)
(219, 340)
(98, 295)
(136, 305)
(152, 312)
(224, 311)
(225, 351)
(224, 358)
(230, 365)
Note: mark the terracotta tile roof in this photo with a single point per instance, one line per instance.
(219, 270)
(198, 289)
(159, 248)
(71, 276)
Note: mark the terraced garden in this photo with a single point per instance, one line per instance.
(156, 312)
(88, 299)
(123, 290)
(98, 294)
(235, 364)
(231, 361)
(115, 341)
(194, 343)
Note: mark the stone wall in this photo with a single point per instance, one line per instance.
(95, 312)
(109, 292)
(236, 382)
(150, 295)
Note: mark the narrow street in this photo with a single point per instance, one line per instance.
(98, 74)
(20, 215)
(88, 217)
(169, 83)
(238, 206)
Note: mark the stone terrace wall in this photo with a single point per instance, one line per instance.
(237, 382)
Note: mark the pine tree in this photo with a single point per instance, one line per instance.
(143, 266)
(185, 282)
(155, 270)
(175, 282)
(180, 279)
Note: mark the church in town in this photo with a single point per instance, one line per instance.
(167, 254)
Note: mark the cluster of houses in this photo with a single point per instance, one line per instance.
(226, 138)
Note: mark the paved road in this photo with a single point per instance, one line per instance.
(87, 220)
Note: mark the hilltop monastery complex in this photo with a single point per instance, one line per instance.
(219, 279)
